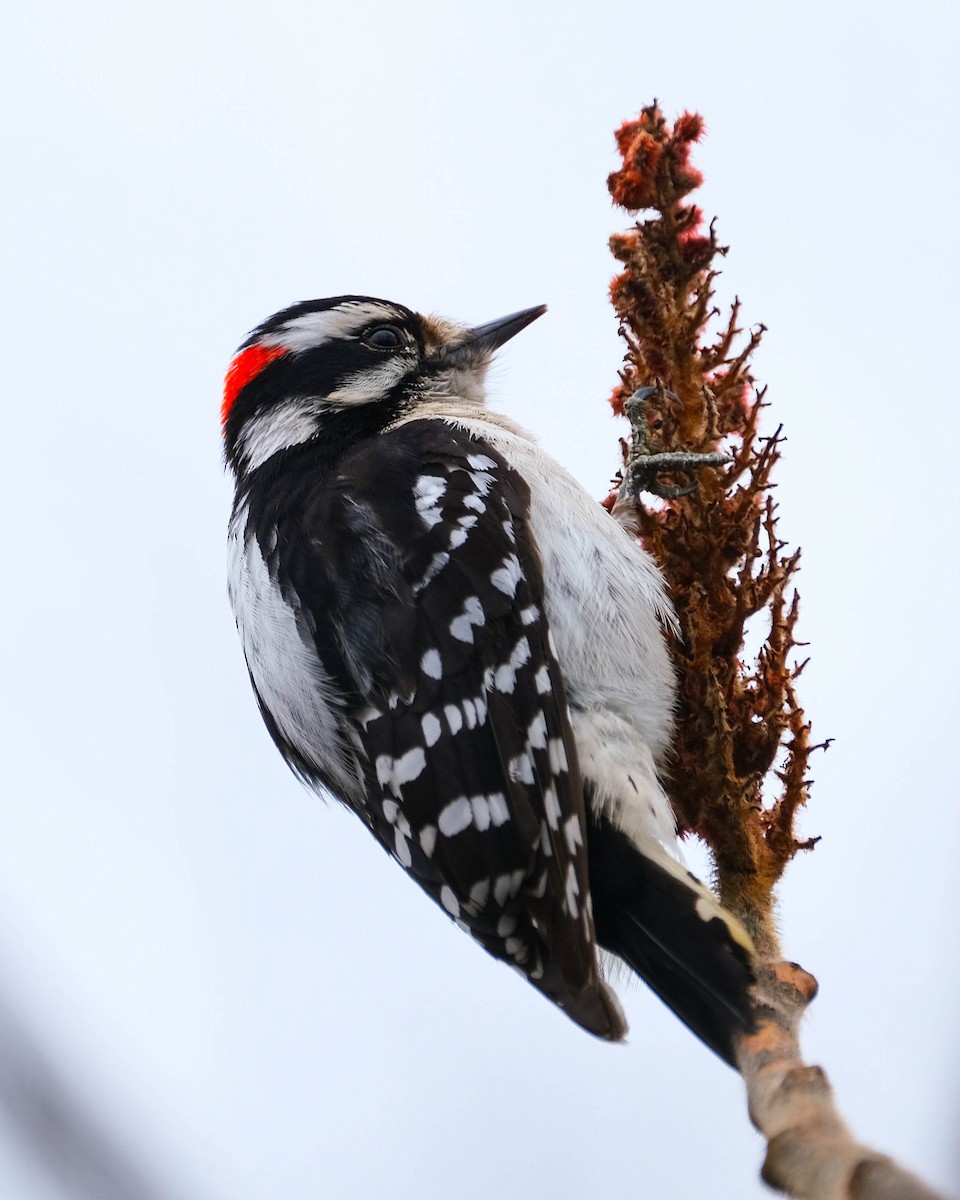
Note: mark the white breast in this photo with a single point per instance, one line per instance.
(605, 598)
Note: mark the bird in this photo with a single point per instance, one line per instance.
(445, 632)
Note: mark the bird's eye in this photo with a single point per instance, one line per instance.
(383, 337)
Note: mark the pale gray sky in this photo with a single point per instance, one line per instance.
(253, 996)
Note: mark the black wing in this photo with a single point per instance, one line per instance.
(414, 564)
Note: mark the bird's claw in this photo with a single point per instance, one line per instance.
(643, 468)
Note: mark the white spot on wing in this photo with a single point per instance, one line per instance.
(506, 578)
(551, 806)
(481, 812)
(571, 831)
(505, 679)
(499, 812)
(455, 817)
(393, 773)
(572, 891)
(428, 839)
(434, 567)
(482, 481)
(461, 627)
(454, 717)
(520, 769)
(517, 948)
(428, 491)
(480, 893)
(537, 732)
(432, 728)
(540, 887)
(520, 655)
(430, 664)
(506, 886)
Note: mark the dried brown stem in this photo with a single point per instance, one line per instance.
(689, 390)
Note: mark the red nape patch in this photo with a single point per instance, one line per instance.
(246, 366)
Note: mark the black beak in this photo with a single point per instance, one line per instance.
(492, 335)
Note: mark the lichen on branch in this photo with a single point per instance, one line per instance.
(717, 545)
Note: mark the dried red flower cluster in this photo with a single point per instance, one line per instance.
(647, 155)
(718, 547)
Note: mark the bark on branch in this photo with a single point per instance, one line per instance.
(810, 1151)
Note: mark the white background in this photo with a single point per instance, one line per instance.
(253, 998)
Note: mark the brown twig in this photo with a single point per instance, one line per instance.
(689, 390)
(810, 1151)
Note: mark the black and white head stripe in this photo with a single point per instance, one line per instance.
(314, 358)
(314, 322)
(326, 357)
(453, 698)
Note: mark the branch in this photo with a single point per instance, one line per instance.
(810, 1151)
(695, 412)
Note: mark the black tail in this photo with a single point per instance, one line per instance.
(674, 933)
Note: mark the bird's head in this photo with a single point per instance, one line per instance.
(347, 367)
